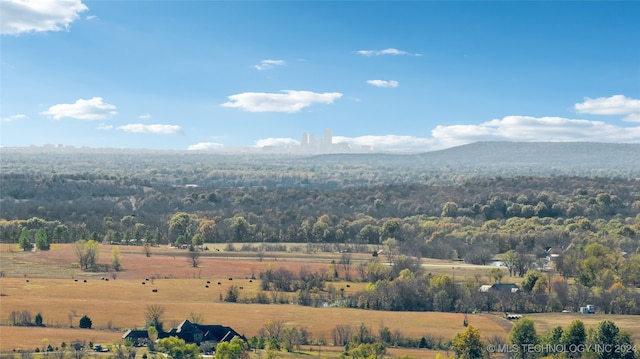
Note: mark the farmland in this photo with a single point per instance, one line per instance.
(48, 283)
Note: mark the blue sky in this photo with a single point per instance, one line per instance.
(397, 76)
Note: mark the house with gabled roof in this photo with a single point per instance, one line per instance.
(190, 333)
(499, 287)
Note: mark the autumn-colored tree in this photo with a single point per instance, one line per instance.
(468, 345)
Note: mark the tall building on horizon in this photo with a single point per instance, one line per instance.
(328, 137)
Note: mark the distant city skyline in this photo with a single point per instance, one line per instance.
(411, 76)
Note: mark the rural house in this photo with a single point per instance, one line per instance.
(190, 333)
(499, 288)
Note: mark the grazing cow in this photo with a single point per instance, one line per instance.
(143, 283)
(206, 286)
(155, 290)
(219, 283)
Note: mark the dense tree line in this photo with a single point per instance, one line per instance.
(298, 214)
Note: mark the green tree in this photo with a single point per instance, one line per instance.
(241, 229)
(60, 233)
(182, 224)
(608, 335)
(235, 349)
(496, 274)
(574, 335)
(197, 240)
(232, 294)
(390, 229)
(177, 348)
(25, 240)
(368, 351)
(523, 334)
(553, 337)
(467, 344)
(85, 322)
(42, 240)
(152, 332)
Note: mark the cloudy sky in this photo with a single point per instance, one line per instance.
(409, 76)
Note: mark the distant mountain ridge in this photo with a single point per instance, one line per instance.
(572, 154)
(582, 159)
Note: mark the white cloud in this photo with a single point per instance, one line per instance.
(146, 116)
(91, 109)
(390, 51)
(384, 83)
(205, 146)
(614, 105)
(17, 117)
(509, 128)
(287, 101)
(24, 16)
(268, 64)
(277, 142)
(104, 127)
(527, 129)
(633, 117)
(154, 129)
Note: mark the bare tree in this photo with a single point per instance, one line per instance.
(272, 329)
(153, 316)
(194, 256)
(341, 334)
(345, 261)
(196, 318)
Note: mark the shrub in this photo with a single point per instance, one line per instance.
(38, 320)
(85, 322)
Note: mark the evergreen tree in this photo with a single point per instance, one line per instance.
(25, 240)
(42, 240)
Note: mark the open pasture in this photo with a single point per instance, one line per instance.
(48, 283)
(170, 262)
(121, 304)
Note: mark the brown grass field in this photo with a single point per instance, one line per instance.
(48, 283)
